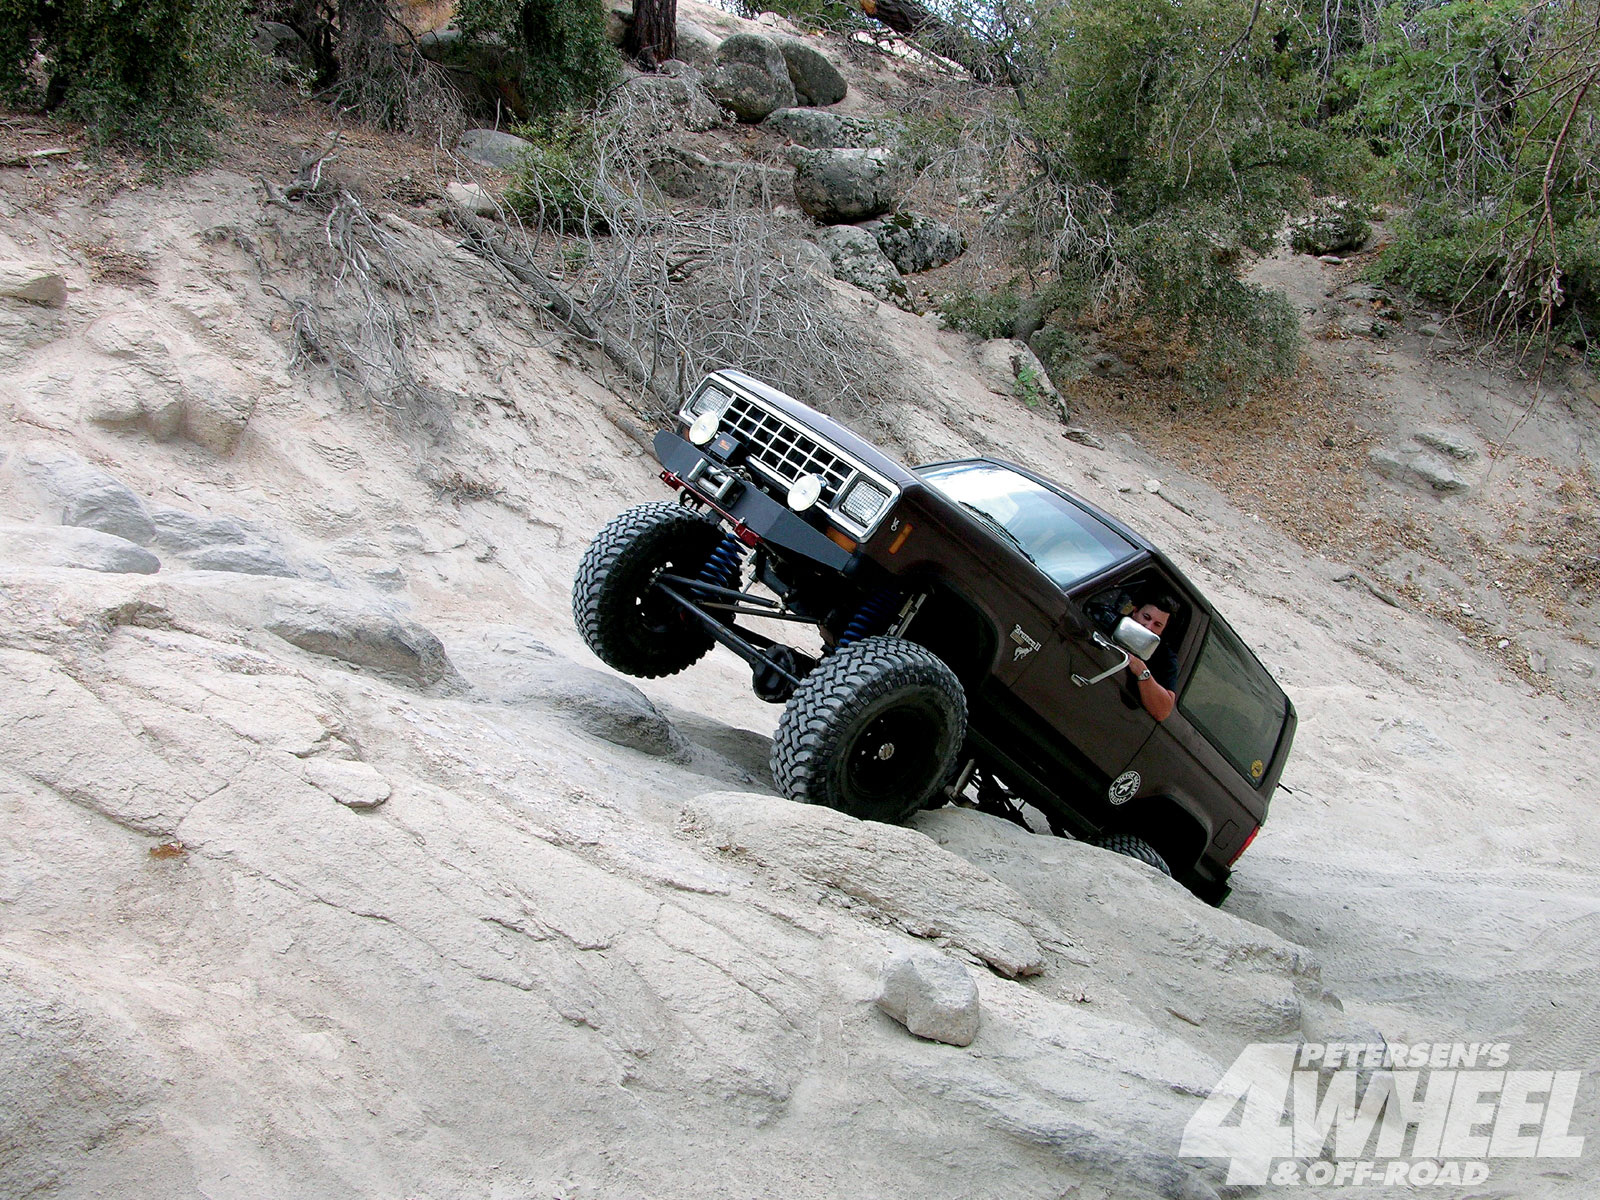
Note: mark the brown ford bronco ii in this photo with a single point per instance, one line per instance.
(975, 635)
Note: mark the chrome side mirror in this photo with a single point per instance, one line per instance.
(1136, 639)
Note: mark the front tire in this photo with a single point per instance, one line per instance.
(873, 731)
(627, 622)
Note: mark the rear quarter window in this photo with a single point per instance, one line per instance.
(1232, 700)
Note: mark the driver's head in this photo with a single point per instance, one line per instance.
(1155, 613)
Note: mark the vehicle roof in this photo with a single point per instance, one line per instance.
(871, 456)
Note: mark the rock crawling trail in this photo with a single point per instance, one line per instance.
(335, 866)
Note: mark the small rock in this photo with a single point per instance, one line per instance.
(362, 636)
(33, 283)
(1503, 643)
(1537, 663)
(1153, 486)
(601, 704)
(1457, 446)
(1362, 293)
(1429, 330)
(178, 531)
(817, 82)
(66, 546)
(254, 559)
(1417, 466)
(1333, 226)
(932, 995)
(1084, 438)
(472, 197)
(1333, 260)
(1011, 368)
(353, 784)
(491, 148)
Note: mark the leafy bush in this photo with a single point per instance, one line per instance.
(1484, 118)
(557, 186)
(561, 54)
(140, 71)
(982, 314)
(1150, 149)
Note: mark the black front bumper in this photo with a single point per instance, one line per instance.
(754, 515)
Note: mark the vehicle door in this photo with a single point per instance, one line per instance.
(1104, 719)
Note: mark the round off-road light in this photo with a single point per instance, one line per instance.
(704, 428)
(807, 490)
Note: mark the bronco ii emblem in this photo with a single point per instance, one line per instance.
(1123, 788)
(1025, 644)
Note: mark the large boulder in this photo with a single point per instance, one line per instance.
(840, 186)
(1333, 227)
(817, 130)
(676, 98)
(696, 46)
(913, 242)
(491, 148)
(858, 261)
(816, 81)
(751, 79)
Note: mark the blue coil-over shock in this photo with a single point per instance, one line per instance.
(726, 563)
(871, 618)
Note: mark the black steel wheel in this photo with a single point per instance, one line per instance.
(872, 732)
(627, 621)
(1134, 847)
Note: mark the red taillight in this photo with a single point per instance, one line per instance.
(1246, 845)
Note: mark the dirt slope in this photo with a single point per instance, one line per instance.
(359, 877)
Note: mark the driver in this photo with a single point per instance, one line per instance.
(1157, 678)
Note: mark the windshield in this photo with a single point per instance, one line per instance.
(1067, 543)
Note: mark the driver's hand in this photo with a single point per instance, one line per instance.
(1135, 665)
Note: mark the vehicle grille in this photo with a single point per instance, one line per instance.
(784, 452)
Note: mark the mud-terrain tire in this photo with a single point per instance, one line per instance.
(1134, 847)
(627, 623)
(873, 731)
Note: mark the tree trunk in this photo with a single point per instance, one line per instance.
(932, 32)
(902, 16)
(653, 36)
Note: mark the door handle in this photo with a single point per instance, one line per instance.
(1099, 640)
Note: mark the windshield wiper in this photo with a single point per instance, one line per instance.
(989, 520)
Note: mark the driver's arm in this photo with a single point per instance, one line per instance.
(1157, 700)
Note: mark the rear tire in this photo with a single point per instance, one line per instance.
(630, 625)
(874, 731)
(1134, 847)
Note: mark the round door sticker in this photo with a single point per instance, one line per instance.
(1124, 787)
(1256, 768)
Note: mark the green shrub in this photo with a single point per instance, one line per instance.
(1473, 107)
(982, 314)
(560, 49)
(557, 184)
(139, 71)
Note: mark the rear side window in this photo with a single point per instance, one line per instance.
(1232, 700)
